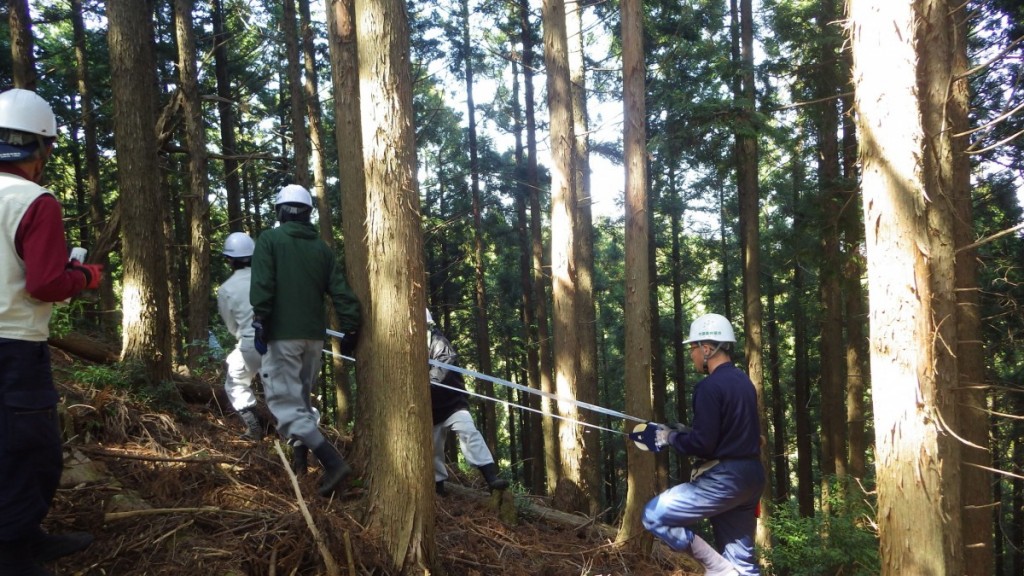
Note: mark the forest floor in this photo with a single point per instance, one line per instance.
(181, 494)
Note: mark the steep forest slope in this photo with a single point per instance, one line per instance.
(177, 492)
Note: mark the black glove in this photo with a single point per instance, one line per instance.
(260, 339)
(348, 342)
(677, 427)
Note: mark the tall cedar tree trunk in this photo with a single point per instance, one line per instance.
(297, 110)
(904, 67)
(198, 207)
(488, 421)
(659, 384)
(855, 304)
(23, 59)
(641, 478)
(976, 485)
(146, 337)
(226, 111)
(564, 257)
(780, 455)
(314, 112)
(531, 437)
(746, 177)
(801, 357)
(97, 210)
(832, 361)
(399, 468)
(546, 475)
(586, 317)
(348, 134)
(679, 354)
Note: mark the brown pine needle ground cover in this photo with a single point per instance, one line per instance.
(181, 494)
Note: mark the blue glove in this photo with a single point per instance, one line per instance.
(260, 339)
(348, 342)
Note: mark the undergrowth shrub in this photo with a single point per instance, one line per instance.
(844, 543)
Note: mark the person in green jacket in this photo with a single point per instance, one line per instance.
(292, 270)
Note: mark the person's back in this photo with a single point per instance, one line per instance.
(243, 362)
(292, 271)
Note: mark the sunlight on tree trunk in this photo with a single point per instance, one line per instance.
(563, 251)
(397, 411)
(146, 334)
(903, 71)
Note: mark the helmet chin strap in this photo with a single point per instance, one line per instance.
(707, 356)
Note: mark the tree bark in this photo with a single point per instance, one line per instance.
(532, 439)
(198, 208)
(750, 244)
(488, 421)
(23, 60)
(904, 67)
(832, 359)
(297, 110)
(226, 111)
(547, 443)
(586, 316)
(641, 478)
(348, 134)
(97, 210)
(564, 257)
(400, 464)
(133, 77)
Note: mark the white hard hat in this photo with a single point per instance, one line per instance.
(238, 245)
(294, 194)
(26, 121)
(712, 327)
(430, 319)
(25, 111)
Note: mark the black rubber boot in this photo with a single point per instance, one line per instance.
(14, 561)
(253, 428)
(300, 459)
(335, 468)
(440, 489)
(53, 546)
(490, 472)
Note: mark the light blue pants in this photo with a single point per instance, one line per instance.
(290, 368)
(471, 442)
(726, 494)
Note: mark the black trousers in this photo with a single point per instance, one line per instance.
(30, 443)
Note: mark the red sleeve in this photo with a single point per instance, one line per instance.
(40, 242)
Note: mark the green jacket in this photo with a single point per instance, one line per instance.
(292, 270)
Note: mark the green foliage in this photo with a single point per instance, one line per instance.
(63, 318)
(131, 377)
(842, 544)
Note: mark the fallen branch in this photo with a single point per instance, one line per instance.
(329, 563)
(148, 458)
(110, 516)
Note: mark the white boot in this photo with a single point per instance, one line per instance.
(713, 562)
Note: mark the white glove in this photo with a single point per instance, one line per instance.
(661, 436)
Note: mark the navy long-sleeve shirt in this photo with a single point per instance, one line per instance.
(726, 423)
